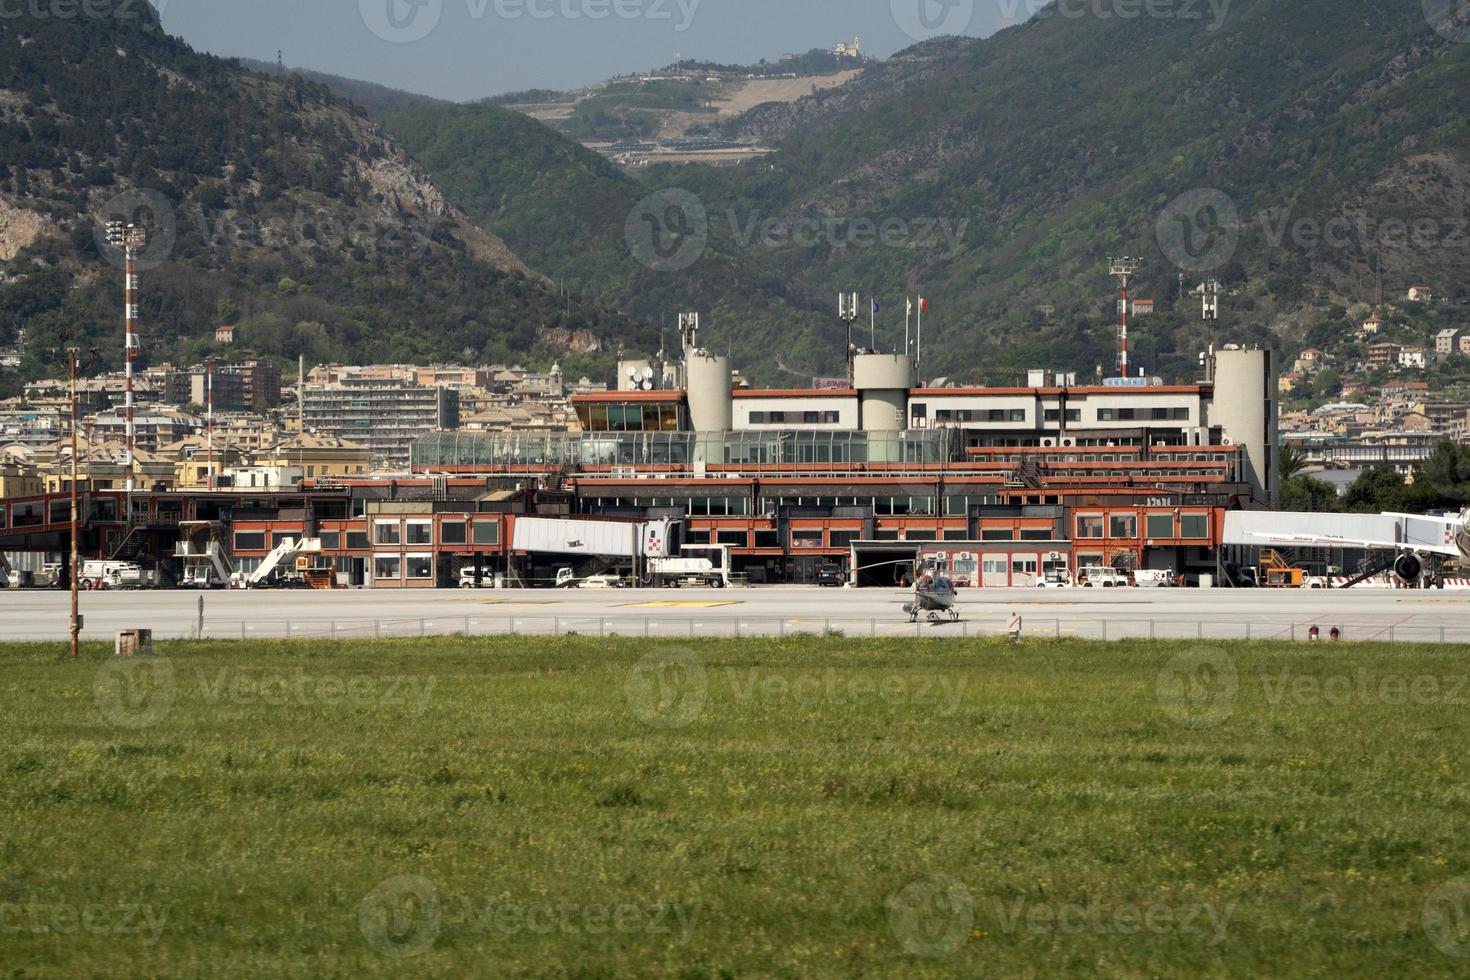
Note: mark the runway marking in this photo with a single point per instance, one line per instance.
(672, 604)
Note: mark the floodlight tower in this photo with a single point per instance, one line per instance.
(1124, 270)
(130, 238)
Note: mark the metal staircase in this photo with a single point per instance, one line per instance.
(1368, 568)
(134, 544)
(1026, 475)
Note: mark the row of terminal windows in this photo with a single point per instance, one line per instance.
(1135, 415)
(972, 414)
(885, 506)
(385, 534)
(1018, 415)
(795, 418)
(693, 506)
(1009, 534)
(1157, 526)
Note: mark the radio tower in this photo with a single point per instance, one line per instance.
(1211, 315)
(1124, 270)
(130, 238)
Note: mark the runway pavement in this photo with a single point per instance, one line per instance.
(1405, 616)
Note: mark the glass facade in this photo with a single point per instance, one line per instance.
(761, 448)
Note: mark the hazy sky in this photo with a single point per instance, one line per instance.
(465, 49)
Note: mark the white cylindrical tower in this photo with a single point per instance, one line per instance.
(711, 402)
(1244, 407)
(883, 382)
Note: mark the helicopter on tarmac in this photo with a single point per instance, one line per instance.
(934, 593)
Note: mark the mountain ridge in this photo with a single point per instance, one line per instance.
(275, 204)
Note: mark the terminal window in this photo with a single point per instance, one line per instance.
(1161, 525)
(249, 541)
(1194, 526)
(1123, 526)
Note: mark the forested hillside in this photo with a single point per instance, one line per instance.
(269, 204)
(1010, 169)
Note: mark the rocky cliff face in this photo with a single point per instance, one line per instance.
(19, 229)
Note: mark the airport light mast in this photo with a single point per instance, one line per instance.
(1124, 270)
(130, 238)
(73, 354)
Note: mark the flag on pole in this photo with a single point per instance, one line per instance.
(923, 305)
(910, 311)
(876, 307)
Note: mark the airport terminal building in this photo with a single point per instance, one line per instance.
(1011, 484)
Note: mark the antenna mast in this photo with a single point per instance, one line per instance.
(130, 238)
(1211, 314)
(1124, 270)
(847, 312)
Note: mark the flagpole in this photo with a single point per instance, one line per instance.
(873, 323)
(908, 319)
(919, 355)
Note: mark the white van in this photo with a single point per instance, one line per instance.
(467, 579)
(1101, 577)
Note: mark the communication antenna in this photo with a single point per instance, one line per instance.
(689, 331)
(130, 238)
(1210, 291)
(1124, 270)
(847, 312)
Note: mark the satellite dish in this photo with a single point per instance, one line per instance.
(648, 373)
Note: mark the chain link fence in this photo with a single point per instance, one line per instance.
(733, 627)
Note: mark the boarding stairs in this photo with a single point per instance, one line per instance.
(1370, 568)
(285, 551)
(202, 551)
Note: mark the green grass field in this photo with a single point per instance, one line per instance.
(804, 807)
